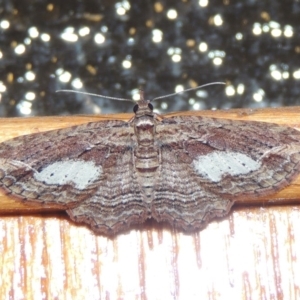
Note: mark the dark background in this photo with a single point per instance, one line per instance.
(258, 44)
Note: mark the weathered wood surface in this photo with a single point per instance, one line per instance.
(252, 254)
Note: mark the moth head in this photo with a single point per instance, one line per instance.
(143, 107)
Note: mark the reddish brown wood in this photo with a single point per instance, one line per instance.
(13, 127)
(252, 254)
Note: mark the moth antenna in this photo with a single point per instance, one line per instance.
(187, 90)
(141, 92)
(95, 95)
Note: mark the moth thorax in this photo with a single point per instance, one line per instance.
(145, 130)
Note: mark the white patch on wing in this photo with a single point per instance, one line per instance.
(218, 163)
(79, 172)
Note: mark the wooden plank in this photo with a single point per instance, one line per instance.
(251, 254)
(13, 127)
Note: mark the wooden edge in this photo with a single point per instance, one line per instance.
(12, 127)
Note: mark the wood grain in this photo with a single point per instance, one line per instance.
(251, 254)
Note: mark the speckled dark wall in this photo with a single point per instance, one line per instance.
(112, 48)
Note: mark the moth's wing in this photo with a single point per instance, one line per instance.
(208, 163)
(87, 168)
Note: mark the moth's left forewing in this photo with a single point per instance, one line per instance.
(61, 166)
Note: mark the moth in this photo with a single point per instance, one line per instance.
(184, 170)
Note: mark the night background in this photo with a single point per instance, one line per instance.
(115, 47)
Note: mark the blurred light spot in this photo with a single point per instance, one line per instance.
(217, 20)
(96, 17)
(285, 75)
(121, 11)
(99, 38)
(296, 74)
(193, 83)
(126, 64)
(24, 107)
(29, 75)
(276, 32)
(273, 67)
(20, 49)
(20, 79)
(10, 77)
(216, 56)
(259, 95)
(59, 71)
(135, 94)
(96, 109)
(4, 24)
(203, 3)
(69, 35)
(217, 61)
(164, 105)
(190, 43)
(276, 74)
(111, 59)
(176, 58)
(279, 73)
(33, 32)
(192, 101)
(256, 29)
(64, 76)
(216, 53)
(149, 23)
(239, 36)
(179, 88)
(171, 51)
(265, 28)
(45, 37)
(50, 7)
(196, 106)
(297, 49)
(288, 31)
(202, 94)
(27, 41)
(131, 41)
(132, 31)
(1, 54)
(157, 35)
(84, 31)
(158, 7)
(274, 24)
(91, 69)
(230, 90)
(265, 16)
(172, 14)
(122, 7)
(77, 83)
(240, 89)
(104, 29)
(203, 47)
(175, 54)
(30, 96)
(2, 87)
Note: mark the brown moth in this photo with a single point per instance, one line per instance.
(182, 170)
